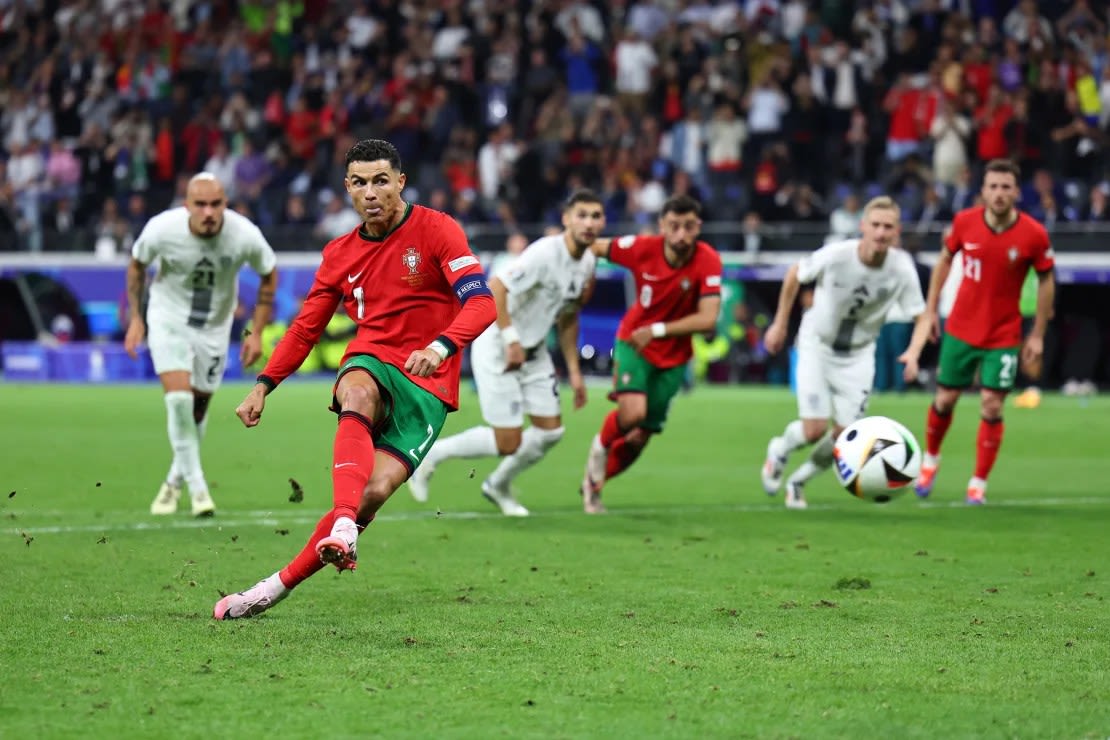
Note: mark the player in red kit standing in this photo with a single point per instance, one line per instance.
(408, 279)
(678, 293)
(983, 331)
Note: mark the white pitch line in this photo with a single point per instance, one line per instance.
(273, 519)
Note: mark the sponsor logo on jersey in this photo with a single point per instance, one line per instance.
(626, 241)
(411, 260)
(460, 262)
(713, 281)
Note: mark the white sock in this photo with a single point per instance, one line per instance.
(794, 436)
(473, 442)
(819, 460)
(274, 586)
(202, 427)
(930, 460)
(183, 438)
(534, 444)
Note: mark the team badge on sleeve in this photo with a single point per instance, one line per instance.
(626, 241)
(713, 281)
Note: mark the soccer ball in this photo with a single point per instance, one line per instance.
(876, 458)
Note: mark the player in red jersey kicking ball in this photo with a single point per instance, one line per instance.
(678, 293)
(408, 279)
(983, 332)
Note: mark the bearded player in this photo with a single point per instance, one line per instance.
(998, 245)
(678, 293)
(408, 279)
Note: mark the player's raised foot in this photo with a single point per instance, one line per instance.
(976, 492)
(418, 481)
(203, 505)
(252, 602)
(795, 497)
(338, 548)
(166, 500)
(925, 479)
(773, 466)
(502, 498)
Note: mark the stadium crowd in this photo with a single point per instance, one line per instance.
(767, 110)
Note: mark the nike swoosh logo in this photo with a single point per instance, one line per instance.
(648, 276)
(344, 465)
(352, 278)
(969, 247)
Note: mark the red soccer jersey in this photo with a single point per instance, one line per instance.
(403, 291)
(664, 293)
(986, 313)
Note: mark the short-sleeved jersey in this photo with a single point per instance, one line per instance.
(986, 313)
(664, 293)
(197, 278)
(402, 291)
(541, 281)
(851, 300)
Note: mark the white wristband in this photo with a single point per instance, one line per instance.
(658, 329)
(439, 349)
(509, 335)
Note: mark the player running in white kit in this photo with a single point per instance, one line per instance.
(857, 282)
(197, 252)
(546, 285)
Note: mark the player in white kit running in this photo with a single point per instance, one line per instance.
(197, 252)
(857, 282)
(546, 285)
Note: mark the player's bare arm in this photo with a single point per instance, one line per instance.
(251, 348)
(774, 339)
(922, 327)
(936, 282)
(567, 330)
(701, 321)
(1032, 351)
(136, 329)
(514, 351)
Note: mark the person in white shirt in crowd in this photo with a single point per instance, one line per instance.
(635, 61)
(545, 286)
(844, 222)
(858, 282)
(197, 252)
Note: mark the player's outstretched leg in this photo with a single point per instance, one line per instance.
(469, 443)
(936, 426)
(820, 459)
(778, 450)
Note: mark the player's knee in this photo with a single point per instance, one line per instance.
(637, 438)
(200, 407)
(814, 429)
(548, 438)
(991, 407)
(361, 398)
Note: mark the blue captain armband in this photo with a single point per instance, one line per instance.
(471, 285)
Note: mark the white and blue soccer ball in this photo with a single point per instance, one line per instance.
(876, 458)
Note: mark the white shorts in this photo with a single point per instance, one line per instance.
(831, 385)
(506, 397)
(202, 352)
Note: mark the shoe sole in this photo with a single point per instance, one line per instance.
(334, 551)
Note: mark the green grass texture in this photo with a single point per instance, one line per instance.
(698, 607)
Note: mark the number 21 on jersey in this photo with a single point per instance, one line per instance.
(973, 268)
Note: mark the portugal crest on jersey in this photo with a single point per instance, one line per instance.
(411, 260)
(1013, 254)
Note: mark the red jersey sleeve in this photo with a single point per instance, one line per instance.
(712, 269)
(954, 242)
(1044, 259)
(621, 251)
(305, 331)
(464, 273)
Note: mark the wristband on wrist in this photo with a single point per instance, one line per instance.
(509, 335)
(658, 329)
(437, 347)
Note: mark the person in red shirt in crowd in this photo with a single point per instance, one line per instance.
(982, 334)
(991, 120)
(678, 294)
(409, 280)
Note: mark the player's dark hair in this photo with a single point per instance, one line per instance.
(372, 150)
(680, 205)
(1005, 166)
(582, 195)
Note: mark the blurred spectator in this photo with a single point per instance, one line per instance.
(337, 219)
(844, 221)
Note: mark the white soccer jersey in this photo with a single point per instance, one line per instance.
(851, 300)
(541, 281)
(197, 279)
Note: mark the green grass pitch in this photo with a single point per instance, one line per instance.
(698, 607)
